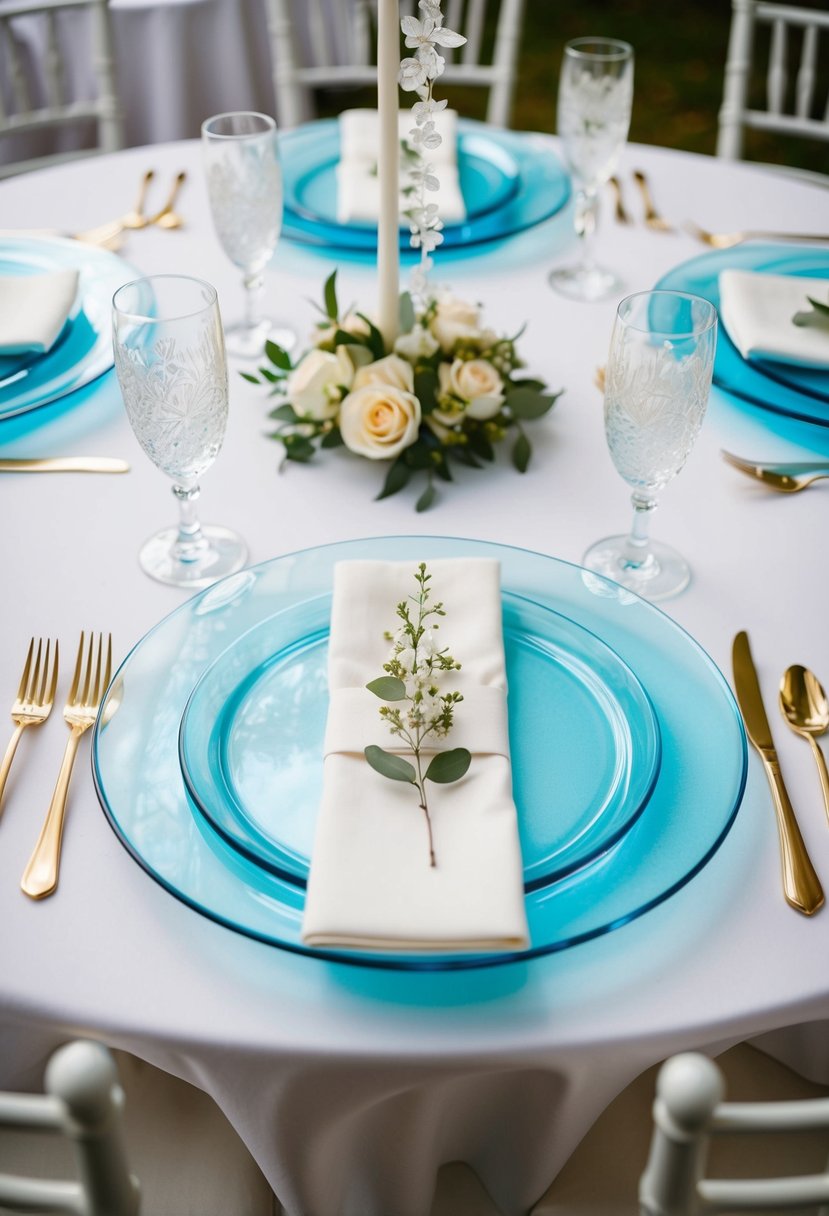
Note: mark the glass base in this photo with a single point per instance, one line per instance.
(248, 341)
(222, 553)
(663, 574)
(584, 282)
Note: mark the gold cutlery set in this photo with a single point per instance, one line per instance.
(652, 218)
(32, 706)
(804, 707)
(109, 235)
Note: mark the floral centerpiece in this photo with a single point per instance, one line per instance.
(443, 388)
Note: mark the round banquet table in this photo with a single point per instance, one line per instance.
(351, 1086)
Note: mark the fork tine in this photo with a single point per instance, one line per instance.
(107, 672)
(40, 687)
(91, 694)
(76, 678)
(54, 684)
(34, 675)
(83, 696)
(24, 679)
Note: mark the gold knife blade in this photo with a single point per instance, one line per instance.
(64, 464)
(801, 885)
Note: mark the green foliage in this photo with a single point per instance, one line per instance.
(449, 766)
(389, 765)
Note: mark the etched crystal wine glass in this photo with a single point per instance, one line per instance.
(656, 392)
(244, 186)
(595, 97)
(171, 365)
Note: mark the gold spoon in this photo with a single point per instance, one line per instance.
(653, 219)
(804, 706)
(621, 214)
(136, 218)
(167, 217)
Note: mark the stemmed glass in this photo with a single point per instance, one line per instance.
(244, 186)
(656, 392)
(171, 366)
(595, 96)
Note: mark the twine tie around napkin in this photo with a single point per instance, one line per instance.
(370, 885)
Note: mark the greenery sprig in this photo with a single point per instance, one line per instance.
(816, 318)
(418, 709)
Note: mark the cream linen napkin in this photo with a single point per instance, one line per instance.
(757, 310)
(358, 186)
(33, 310)
(371, 886)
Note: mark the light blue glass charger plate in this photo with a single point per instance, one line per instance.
(782, 388)
(698, 789)
(584, 740)
(83, 350)
(510, 181)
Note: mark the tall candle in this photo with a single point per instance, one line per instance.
(388, 238)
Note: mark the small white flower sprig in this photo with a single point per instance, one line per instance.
(412, 678)
(417, 75)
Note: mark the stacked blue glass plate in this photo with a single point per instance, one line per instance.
(510, 181)
(628, 754)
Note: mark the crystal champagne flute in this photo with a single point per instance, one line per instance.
(244, 186)
(172, 370)
(656, 392)
(595, 97)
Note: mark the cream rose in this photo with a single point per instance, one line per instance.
(379, 420)
(314, 386)
(391, 370)
(419, 343)
(454, 319)
(477, 386)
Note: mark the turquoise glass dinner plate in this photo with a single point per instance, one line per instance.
(509, 180)
(83, 350)
(584, 740)
(796, 392)
(698, 788)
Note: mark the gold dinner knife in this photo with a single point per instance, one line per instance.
(801, 885)
(64, 464)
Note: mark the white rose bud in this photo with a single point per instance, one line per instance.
(419, 343)
(379, 421)
(391, 370)
(314, 386)
(454, 320)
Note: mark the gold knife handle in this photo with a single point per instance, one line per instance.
(801, 885)
(40, 878)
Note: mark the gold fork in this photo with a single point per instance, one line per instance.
(40, 878)
(35, 698)
(727, 240)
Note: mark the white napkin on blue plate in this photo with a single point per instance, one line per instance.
(757, 309)
(358, 186)
(371, 886)
(34, 309)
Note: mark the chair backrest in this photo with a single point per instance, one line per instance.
(688, 1110)
(798, 107)
(83, 1101)
(333, 43)
(32, 30)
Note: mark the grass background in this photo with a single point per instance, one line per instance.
(680, 51)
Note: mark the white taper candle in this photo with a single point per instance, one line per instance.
(388, 239)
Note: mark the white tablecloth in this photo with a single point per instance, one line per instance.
(350, 1088)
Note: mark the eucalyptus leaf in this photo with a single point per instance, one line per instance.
(526, 403)
(298, 448)
(249, 376)
(521, 452)
(285, 413)
(279, 357)
(332, 438)
(818, 318)
(426, 498)
(389, 765)
(396, 478)
(388, 688)
(406, 313)
(449, 766)
(330, 296)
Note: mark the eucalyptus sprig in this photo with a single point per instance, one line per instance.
(816, 318)
(418, 708)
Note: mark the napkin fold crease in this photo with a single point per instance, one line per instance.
(757, 309)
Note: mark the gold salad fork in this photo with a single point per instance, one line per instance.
(653, 219)
(35, 698)
(784, 478)
(89, 682)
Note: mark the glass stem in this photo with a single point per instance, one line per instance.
(585, 220)
(191, 542)
(254, 290)
(637, 548)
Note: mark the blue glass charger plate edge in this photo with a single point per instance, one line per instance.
(584, 740)
(794, 392)
(83, 350)
(697, 793)
(510, 181)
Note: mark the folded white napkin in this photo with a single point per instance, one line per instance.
(757, 310)
(371, 886)
(358, 186)
(33, 309)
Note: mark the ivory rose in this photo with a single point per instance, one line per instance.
(379, 420)
(391, 370)
(476, 383)
(314, 387)
(454, 319)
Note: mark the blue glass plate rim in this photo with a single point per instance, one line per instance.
(642, 771)
(101, 273)
(525, 207)
(789, 398)
(550, 567)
